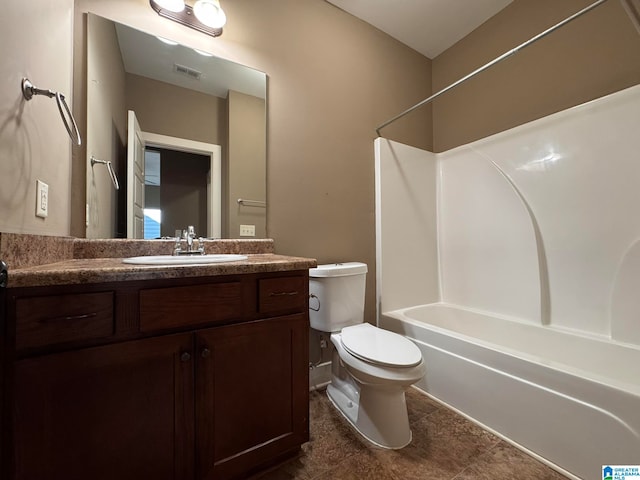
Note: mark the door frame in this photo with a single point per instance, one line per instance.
(214, 181)
(135, 177)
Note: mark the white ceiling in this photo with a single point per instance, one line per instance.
(146, 55)
(427, 26)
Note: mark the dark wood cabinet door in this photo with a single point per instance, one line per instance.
(122, 411)
(252, 395)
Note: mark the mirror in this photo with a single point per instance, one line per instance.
(202, 131)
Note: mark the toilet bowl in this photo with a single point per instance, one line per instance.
(370, 368)
(371, 395)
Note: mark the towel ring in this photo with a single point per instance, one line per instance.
(29, 90)
(112, 173)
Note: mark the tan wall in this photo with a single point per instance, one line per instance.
(35, 42)
(331, 80)
(246, 163)
(595, 55)
(106, 127)
(166, 109)
(77, 227)
(177, 112)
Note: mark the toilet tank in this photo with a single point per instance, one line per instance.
(336, 295)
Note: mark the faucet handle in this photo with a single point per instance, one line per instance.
(191, 231)
(177, 248)
(201, 245)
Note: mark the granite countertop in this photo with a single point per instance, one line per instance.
(39, 261)
(98, 270)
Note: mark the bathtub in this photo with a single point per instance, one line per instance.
(571, 400)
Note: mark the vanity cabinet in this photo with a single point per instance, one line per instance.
(251, 402)
(200, 378)
(121, 411)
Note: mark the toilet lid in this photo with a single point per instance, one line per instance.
(379, 346)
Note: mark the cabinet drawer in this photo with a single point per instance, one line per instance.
(282, 294)
(173, 307)
(58, 319)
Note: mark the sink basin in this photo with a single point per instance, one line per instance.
(184, 259)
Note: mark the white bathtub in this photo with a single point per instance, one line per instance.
(571, 399)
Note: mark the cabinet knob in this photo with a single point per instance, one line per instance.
(205, 352)
(185, 357)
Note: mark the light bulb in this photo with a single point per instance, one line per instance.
(171, 5)
(210, 13)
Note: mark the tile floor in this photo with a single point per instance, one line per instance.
(445, 446)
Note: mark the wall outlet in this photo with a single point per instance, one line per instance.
(42, 199)
(247, 230)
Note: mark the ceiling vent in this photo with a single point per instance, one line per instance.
(189, 72)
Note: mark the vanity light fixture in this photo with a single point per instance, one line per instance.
(210, 13)
(206, 16)
(171, 5)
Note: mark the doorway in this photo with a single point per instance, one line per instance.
(187, 176)
(175, 192)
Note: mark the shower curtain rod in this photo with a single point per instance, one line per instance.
(628, 8)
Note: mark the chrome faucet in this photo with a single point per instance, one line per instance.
(191, 233)
(188, 235)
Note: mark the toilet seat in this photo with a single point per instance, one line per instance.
(380, 347)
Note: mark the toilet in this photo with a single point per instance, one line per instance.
(370, 368)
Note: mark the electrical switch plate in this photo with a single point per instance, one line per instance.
(247, 230)
(42, 199)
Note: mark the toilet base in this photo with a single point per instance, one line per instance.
(378, 414)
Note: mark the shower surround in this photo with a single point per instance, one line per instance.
(527, 242)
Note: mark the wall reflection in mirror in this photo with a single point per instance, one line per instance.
(200, 123)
